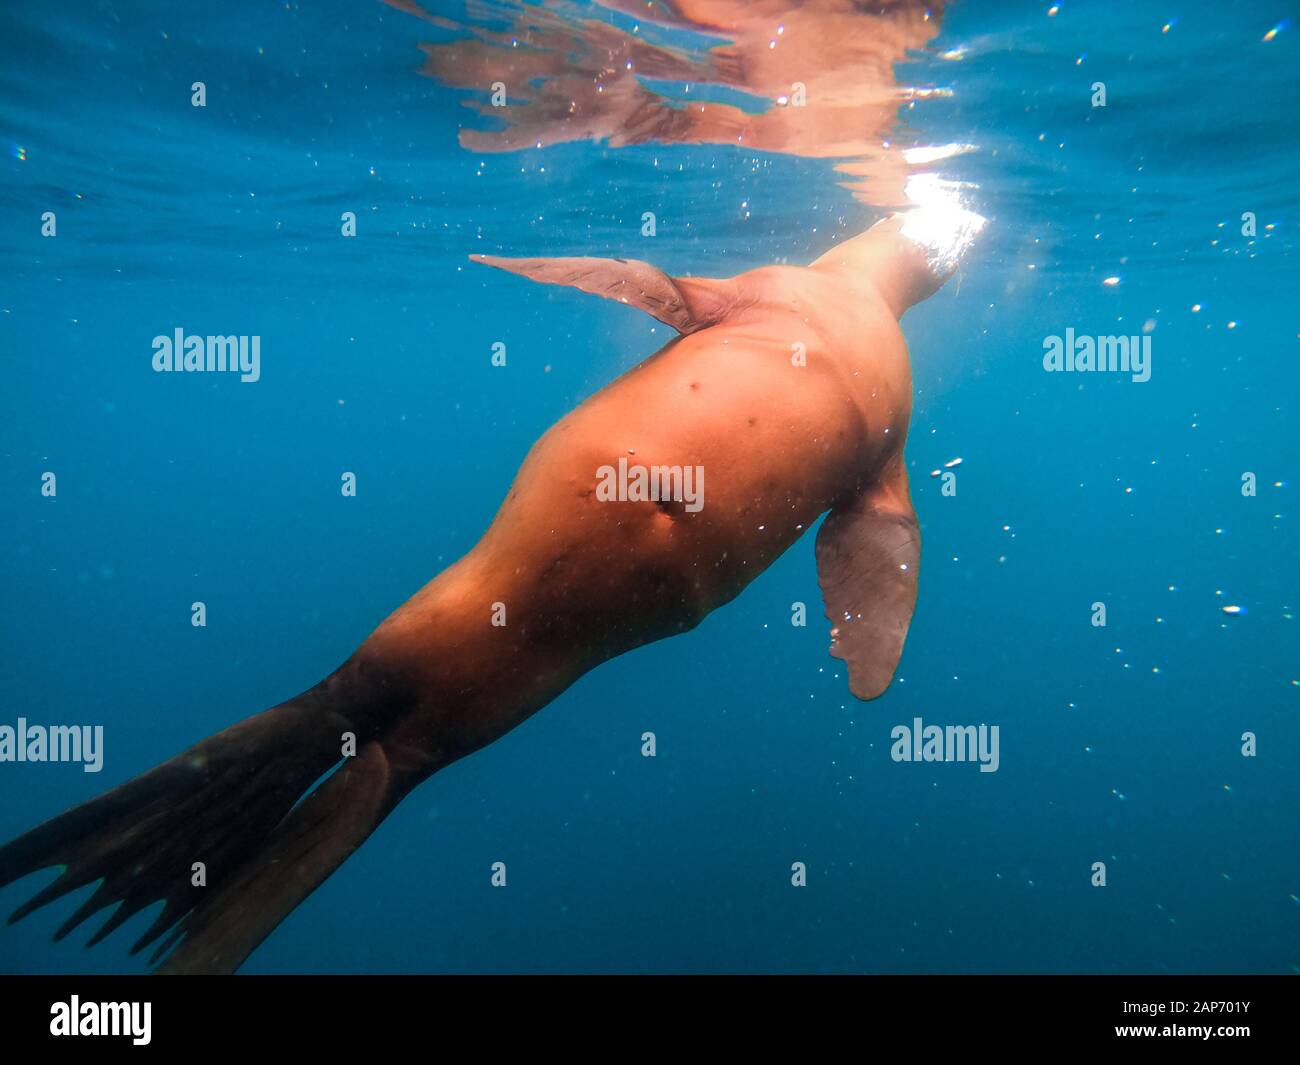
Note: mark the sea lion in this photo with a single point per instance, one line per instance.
(789, 388)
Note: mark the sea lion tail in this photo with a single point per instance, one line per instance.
(230, 836)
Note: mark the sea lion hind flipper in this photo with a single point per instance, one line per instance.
(228, 803)
(868, 557)
(304, 849)
(687, 304)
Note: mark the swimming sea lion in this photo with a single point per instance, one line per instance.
(789, 387)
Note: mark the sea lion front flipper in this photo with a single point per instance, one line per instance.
(868, 556)
(685, 303)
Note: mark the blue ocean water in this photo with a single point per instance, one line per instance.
(1120, 744)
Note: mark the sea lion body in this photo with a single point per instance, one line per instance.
(789, 389)
(799, 397)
